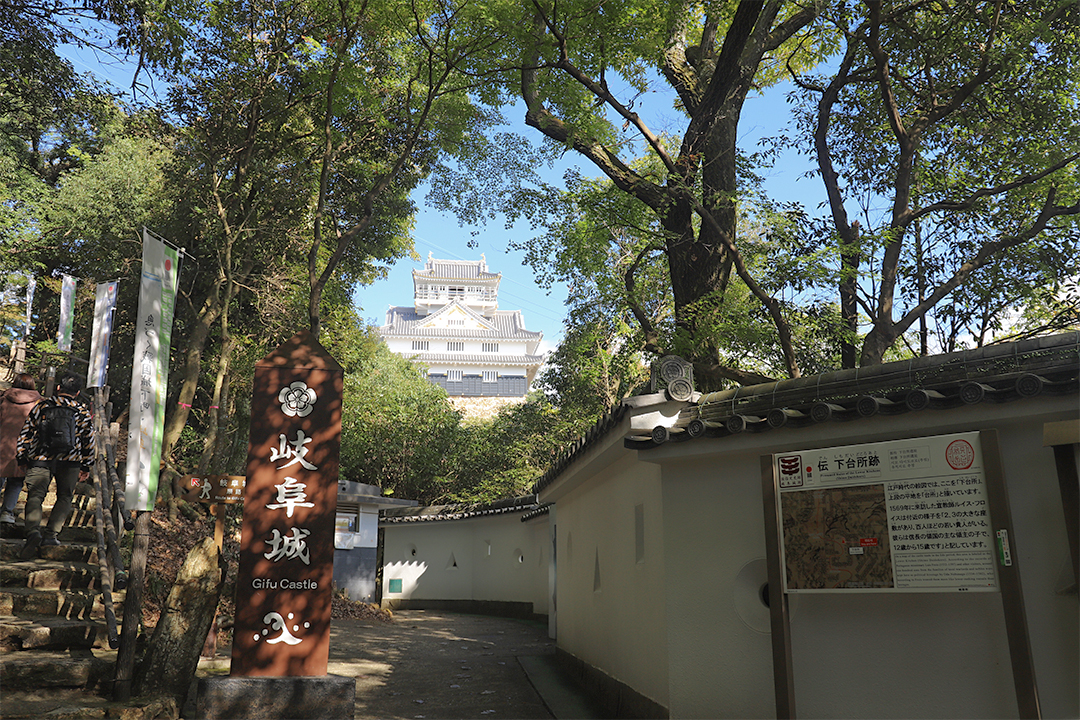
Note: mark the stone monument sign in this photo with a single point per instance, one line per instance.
(286, 567)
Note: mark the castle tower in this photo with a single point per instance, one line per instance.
(484, 357)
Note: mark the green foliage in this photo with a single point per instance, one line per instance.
(397, 428)
(505, 456)
(955, 133)
(400, 432)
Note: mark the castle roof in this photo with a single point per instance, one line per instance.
(455, 270)
(404, 322)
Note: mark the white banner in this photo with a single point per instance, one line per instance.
(30, 286)
(150, 371)
(104, 305)
(67, 315)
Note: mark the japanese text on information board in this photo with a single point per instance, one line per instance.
(907, 515)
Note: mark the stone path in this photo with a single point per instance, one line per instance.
(429, 664)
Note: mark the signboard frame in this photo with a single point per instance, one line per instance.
(909, 515)
(1008, 578)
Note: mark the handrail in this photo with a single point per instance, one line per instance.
(110, 563)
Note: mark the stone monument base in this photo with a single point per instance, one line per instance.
(332, 697)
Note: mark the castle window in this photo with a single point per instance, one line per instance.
(453, 376)
(490, 347)
(457, 291)
(455, 346)
(421, 345)
(490, 376)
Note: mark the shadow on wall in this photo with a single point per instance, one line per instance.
(402, 579)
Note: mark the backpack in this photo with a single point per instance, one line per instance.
(58, 435)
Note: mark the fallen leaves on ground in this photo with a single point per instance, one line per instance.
(344, 608)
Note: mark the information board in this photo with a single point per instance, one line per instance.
(902, 516)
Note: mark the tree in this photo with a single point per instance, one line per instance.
(960, 116)
(577, 57)
(85, 225)
(503, 457)
(593, 368)
(960, 119)
(394, 82)
(399, 429)
(30, 31)
(607, 248)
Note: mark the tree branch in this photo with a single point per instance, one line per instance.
(968, 202)
(675, 66)
(539, 117)
(601, 91)
(652, 338)
(985, 253)
(772, 305)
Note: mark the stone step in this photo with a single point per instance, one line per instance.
(69, 549)
(52, 633)
(56, 704)
(71, 603)
(89, 669)
(48, 574)
(83, 504)
(79, 704)
(70, 533)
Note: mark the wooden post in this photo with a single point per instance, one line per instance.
(1012, 592)
(218, 511)
(779, 618)
(125, 658)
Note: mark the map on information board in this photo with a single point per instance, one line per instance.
(907, 515)
(844, 532)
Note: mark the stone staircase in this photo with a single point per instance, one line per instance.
(56, 660)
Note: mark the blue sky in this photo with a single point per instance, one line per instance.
(763, 115)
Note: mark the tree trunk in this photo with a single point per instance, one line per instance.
(849, 306)
(876, 343)
(196, 343)
(173, 653)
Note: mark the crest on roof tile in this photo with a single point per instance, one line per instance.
(673, 375)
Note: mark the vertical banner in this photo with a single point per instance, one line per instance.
(150, 371)
(104, 306)
(67, 314)
(31, 285)
(286, 567)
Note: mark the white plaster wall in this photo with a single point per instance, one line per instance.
(367, 533)
(619, 628)
(420, 555)
(470, 369)
(866, 655)
(402, 347)
(472, 347)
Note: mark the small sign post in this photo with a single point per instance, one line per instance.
(215, 489)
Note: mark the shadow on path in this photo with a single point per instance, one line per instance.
(434, 664)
